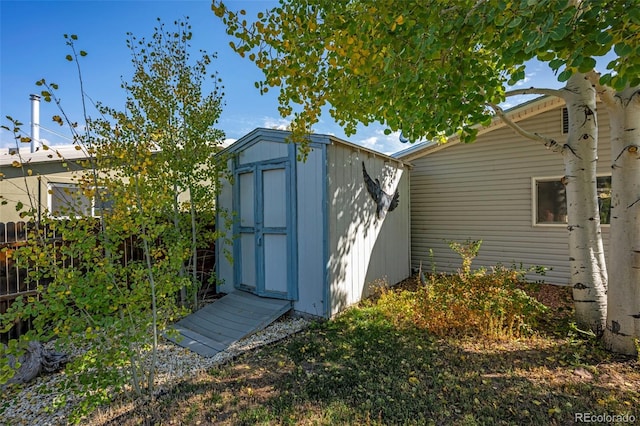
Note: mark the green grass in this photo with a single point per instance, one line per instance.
(362, 368)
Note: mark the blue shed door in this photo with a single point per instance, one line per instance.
(265, 243)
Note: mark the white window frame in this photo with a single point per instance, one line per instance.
(534, 200)
(50, 188)
(93, 205)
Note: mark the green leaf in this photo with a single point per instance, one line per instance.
(558, 33)
(69, 58)
(587, 65)
(605, 79)
(604, 38)
(515, 22)
(555, 64)
(622, 49)
(565, 75)
(546, 56)
(83, 53)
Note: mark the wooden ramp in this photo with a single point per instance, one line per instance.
(216, 326)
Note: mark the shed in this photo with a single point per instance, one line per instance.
(503, 189)
(307, 231)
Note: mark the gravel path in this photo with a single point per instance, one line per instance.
(31, 405)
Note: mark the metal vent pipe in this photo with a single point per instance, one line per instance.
(35, 122)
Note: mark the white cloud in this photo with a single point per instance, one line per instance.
(276, 123)
(227, 142)
(526, 80)
(378, 141)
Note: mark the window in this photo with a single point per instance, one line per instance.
(68, 200)
(604, 199)
(103, 203)
(551, 201)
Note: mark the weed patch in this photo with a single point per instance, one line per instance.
(488, 304)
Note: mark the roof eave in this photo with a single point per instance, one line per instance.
(516, 114)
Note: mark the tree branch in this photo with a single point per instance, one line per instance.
(550, 143)
(535, 91)
(606, 94)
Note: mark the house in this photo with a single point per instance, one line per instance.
(46, 180)
(308, 231)
(503, 189)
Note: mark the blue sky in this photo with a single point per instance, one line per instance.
(32, 47)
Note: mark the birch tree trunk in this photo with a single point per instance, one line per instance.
(586, 252)
(623, 318)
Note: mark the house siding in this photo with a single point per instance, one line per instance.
(25, 190)
(483, 191)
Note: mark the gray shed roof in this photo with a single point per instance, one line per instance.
(275, 135)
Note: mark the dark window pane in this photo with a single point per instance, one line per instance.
(552, 202)
(67, 200)
(604, 199)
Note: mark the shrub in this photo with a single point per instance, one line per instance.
(492, 304)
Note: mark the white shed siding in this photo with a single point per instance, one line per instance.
(390, 256)
(340, 245)
(310, 221)
(363, 249)
(224, 245)
(263, 151)
(483, 191)
(347, 215)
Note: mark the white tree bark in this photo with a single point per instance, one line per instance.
(586, 252)
(623, 318)
(580, 154)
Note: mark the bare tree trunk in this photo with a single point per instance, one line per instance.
(623, 318)
(35, 361)
(587, 262)
(194, 251)
(176, 225)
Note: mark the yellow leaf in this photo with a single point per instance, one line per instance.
(400, 20)
(16, 164)
(30, 172)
